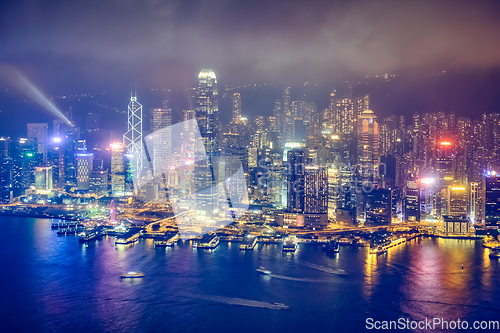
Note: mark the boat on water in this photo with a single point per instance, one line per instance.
(264, 271)
(89, 236)
(332, 246)
(290, 244)
(495, 253)
(132, 275)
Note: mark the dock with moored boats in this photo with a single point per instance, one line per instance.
(130, 237)
(209, 241)
(249, 242)
(168, 240)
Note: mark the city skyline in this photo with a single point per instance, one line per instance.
(390, 153)
(173, 165)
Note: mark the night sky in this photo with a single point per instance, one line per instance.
(73, 47)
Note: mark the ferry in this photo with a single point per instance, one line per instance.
(382, 248)
(166, 241)
(132, 275)
(163, 243)
(290, 244)
(67, 231)
(378, 250)
(248, 243)
(495, 253)
(65, 225)
(89, 236)
(345, 241)
(210, 241)
(123, 241)
(264, 271)
(333, 246)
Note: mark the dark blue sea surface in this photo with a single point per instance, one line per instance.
(50, 283)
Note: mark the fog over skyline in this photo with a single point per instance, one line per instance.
(76, 45)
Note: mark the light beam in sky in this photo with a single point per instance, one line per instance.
(29, 89)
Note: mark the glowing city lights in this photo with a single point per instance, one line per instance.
(427, 181)
(458, 188)
(116, 145)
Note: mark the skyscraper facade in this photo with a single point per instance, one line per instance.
(84, 167)
(132, 139)
(368, 145)
(43, 178)
(207, 115)
(295, 181)
(39, 131)
(117, 169)
(491, 186)
(161, 122)
(236, 108)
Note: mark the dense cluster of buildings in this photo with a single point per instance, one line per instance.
(308, 167)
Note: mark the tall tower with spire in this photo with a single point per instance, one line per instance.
(132, 139)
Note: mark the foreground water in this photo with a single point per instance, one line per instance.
(52, 283)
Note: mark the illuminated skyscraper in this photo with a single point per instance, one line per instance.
(412, 201)
(43, 178)
(26, 162)
(457, 201)
(161, 120)
(368, 145)
(345, 114)
(315, 196)
(207, 115)
(378, 207)
(287, 123)
(132, 139)
(295, 181)
(4, 147)
(474, 202)
(6, 173)
(85, 164)
(388, 135)
(39, 131)
(491, 188)
(444, 161)
(330, 116)
(117, 169)
(98, 181)
(333, 185)
(236, 108)
(277, 114)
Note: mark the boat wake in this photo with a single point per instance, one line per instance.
(282, 277)
(325, 269)
(239, 301)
